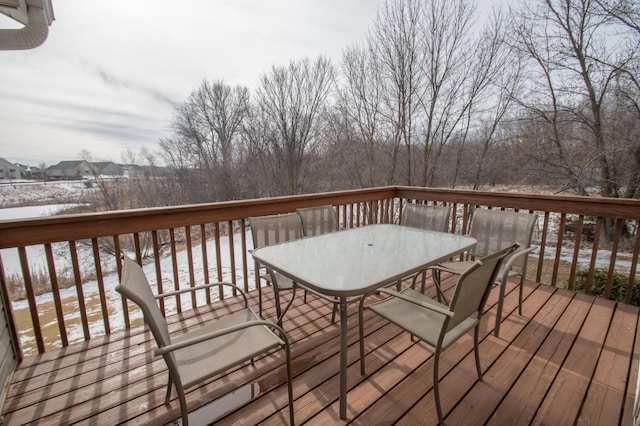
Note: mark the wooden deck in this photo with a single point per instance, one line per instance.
(569, 360)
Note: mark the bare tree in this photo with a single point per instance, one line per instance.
(568, 42)
(394, 43)
(292, 99)
(625, 11)
(627, 92)
(360, 118)
(257, 167)
(206, 128)
(446, 95)
(495, 74)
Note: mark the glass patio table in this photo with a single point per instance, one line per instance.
(341, 266)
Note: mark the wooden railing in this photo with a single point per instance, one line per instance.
(189, 245)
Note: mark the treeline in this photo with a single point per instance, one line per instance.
(546, 92)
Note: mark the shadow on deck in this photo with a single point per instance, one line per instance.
(569, 359)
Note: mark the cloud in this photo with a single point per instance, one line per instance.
(111, 130)
(57, 108)
(113, 81)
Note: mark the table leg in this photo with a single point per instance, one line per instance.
(343, 358)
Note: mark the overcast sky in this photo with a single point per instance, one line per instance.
(110, 73)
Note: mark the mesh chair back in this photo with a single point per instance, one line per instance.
(474, 286)
(496, 229)
(318, 220)
(267, 230)
(135, 286)
(433, 218)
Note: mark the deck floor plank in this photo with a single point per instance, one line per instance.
(527, 393)
(606, 395)
(564, 399)
(569, 358)
(478, 405)
(632, 380)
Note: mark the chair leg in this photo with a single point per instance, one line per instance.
(520, 295)
(435, 275)
(281, 312)
(289, 382)
(277, 302)
(436, 385)
(476, 349)
(168, 396)
(415, 279)
(259, 299)
(503, 285)
(183, 405)
(333, 313)
(361, 334)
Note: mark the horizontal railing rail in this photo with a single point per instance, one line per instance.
(61, 270)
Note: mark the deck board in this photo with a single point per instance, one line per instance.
(570, 358)
(605, 397)
(530, 387)
(483, 397)
(572, 381)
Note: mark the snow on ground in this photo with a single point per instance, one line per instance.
(29, 193)
(46, 307)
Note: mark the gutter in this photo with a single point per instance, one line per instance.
(39, 16)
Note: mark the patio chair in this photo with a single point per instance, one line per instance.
(432, 218)
(437, 324)
(272, 229)
(318, 220)
(495, 229)
(200, 354)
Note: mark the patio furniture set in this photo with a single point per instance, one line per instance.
(362, 266)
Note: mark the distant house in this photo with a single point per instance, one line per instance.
(27, 172)
(9, 171)
(133, 171)
(81, 169)
(70, 170)
(35, 172)
(107, 168)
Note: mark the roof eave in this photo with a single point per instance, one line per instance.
(35, 15)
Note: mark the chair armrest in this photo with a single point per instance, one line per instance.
(406, 298)
(516, 255)
(509, 263)
(190, 342)
(202, 287)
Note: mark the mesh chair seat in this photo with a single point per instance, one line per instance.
(423, 323)
(200, 361)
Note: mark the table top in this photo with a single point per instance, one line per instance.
(354, 261)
